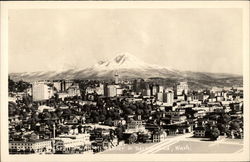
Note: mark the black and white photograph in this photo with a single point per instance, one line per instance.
(96, 80)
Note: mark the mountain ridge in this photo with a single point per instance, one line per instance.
(128, 67)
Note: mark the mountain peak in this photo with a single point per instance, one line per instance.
(121, 61)
(124, 57)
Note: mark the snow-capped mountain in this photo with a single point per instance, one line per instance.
(123, 61)
(125, 64)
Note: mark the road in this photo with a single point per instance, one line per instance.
(164, 144)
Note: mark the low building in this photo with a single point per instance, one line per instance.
(178, 119)
(72, 141)
(73, 120)
(44, 107)
(119, 122)
(159, 136)
(35, 146)
(199, 132)
(73, 91)
(135, 126)
(172, 113)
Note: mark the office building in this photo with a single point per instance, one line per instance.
(168, 97)
(41, 91)
(181, 88)
(111, 91)
(116, 78)
(36, 145)
(159, 96)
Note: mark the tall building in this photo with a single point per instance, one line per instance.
(58, 85)
(155, 90)
(66, 84)
(136, 85)
(41, 91)
(159, 96)
(116, 78)
(111, 91)
(168, 97)
(146, 92)
(181, 88)
(161, 89)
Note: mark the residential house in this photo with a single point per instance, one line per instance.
(199, 132)
(159, 136)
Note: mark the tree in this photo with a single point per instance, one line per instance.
(12, 85)
(73, 127)
(214, 133)
(143, 137)
(116, 115)
(47, 116)
(132, 138)
(102, 118)
(80, 128)
(96, 119)
(108, 121)
(222, 128)
(133, 107)
(235, 126)
(128, 111)
(139, 111)
(119, 133)
(12, 108)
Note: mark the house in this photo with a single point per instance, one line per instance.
(119, 122)
(199, 132)
(44, 108)
(159, 136)
(135, 126)
(74, 91)
(63, 106)
(179, 119)
(171, 129)
(73, 120)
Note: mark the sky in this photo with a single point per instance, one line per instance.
(206, 40)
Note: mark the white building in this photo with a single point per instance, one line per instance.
(72, 141)
(181, 88)
(168, 97)
(159, 96)
(135, 126)
(154, 90)
(44, 107)
(111, 90)
(161, 89)
(119, 91)
(116, 78)
(58, 86)
(37, 145)
(74, 90)
(41, 91)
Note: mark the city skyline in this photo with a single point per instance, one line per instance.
(63, 39)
